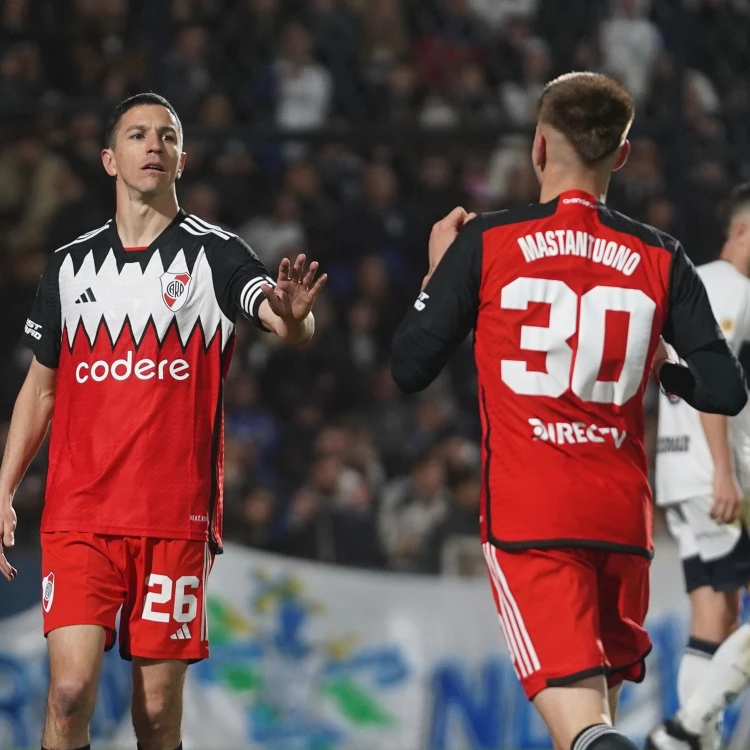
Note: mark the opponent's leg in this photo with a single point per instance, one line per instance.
(75, 654)
(727, 676)
(709, 677)
(157, 703)
(714, 614)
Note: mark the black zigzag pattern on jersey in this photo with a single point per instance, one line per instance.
(100, 253)
(103, 329)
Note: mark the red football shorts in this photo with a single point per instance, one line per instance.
(569, 613)
(159, 583)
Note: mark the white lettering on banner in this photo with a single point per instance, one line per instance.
(33, 329)
(122, 369)
(575, 433)
(556, 242)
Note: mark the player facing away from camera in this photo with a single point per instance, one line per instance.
(132, 333)
(702, 472)
(568, 300)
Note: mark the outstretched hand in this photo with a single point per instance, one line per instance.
(293, 296)
(7, 534)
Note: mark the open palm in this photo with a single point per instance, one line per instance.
(293, 296)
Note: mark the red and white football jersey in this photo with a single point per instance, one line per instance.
(567, 300)
(141, 340)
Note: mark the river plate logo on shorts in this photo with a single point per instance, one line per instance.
(48, 591)
(300, 691)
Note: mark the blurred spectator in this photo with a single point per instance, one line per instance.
(461, 521)
(398, 100)
(248, 420)
(520, 98)
(31, 188)
(386, 39)
(337, 34)
(271, 237)
(297, 87)
(202, 200)
(471, 97)
(251, 30)
(641, 179)
(388, 419)
(22, 81)
(412, 509)
(331, 518)
(630, 43)
(377, 223)
(317, 213)
(186, 76)
(251, 523)
(500, 14)
(77, 213)
(505, 55)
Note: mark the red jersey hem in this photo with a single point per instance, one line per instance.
(149, 532)
(629, 549)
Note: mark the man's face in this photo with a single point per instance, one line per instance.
(148, 153)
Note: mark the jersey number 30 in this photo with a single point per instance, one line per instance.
(578, 371)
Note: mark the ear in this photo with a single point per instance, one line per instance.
(539, 152)
(109, 161)
(181, 168)
(738, 228)
(622, 157)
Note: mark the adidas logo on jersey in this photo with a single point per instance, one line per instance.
(87, 296)
(575, 433)
(183, 634)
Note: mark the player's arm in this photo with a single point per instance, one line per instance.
(243, 286)
(28, 426)
(446, 309)
(727, 495)
(33, 408)
(713, 380)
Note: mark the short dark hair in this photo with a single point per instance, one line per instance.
(138, 100)
(591, 110)
(739, 200)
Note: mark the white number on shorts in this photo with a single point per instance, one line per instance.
(185, 605)
(565, 319)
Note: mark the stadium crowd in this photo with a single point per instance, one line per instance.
(324, 458)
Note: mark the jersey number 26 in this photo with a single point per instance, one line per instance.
(588, 318)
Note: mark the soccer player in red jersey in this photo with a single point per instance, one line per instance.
(568, 300)
(132, 332)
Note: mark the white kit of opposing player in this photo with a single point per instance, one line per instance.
(684, 467)
(684, 482)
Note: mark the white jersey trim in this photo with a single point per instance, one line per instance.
(197, 226)
(85, 237)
